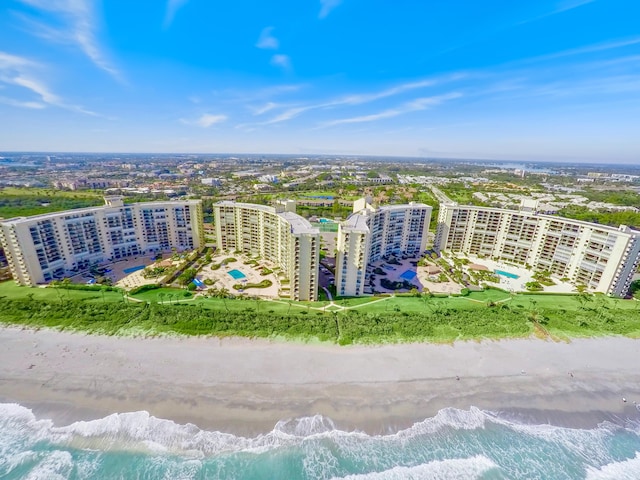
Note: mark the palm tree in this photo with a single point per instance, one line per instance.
(161, 298)
(224, 293)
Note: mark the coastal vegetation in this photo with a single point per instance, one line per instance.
(490, 314)
(23, 202)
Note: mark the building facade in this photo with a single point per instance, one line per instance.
(276, 234)
(42, 248)
(602, 258)
(370, 234)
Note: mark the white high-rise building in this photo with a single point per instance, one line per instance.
(275, 234)
(42, 248)
(370, 234)
(602, 258)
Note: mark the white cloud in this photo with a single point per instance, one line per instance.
(412, 106)
(288, 115)
(20, 104)
(22, 72)
(326, 6)
(264, 109)
(78, 27)
(561, 7)
(266, 40)
(282, 61)
(205, 120)
(172, 8)
(362, 98)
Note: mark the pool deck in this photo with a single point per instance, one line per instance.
(524, 276)
(223, 279)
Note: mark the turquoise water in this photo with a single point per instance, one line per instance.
(455, 444)
(408, 275)
(133, 269)
(506, 274)
(236, 274)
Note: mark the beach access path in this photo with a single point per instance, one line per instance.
(246, 386)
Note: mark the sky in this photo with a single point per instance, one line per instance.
(501, 79)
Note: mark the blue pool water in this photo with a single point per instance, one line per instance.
(236, 274)
(408, 275)
(133, 269)
(506, 274)
(326, 220)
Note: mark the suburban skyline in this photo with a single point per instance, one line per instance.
(550, 80)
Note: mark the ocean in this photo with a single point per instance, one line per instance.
(455, 444)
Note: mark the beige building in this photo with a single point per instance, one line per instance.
(602, 258)
(371, 234)
(276, 234)
(43, 248)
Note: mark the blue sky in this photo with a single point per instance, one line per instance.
(537, 79)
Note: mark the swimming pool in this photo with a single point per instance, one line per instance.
(408, 275)
(507, 274)
(133, 269)
(236, 274)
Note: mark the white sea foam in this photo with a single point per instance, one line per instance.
(625, 470)
(471, 419)
(451, 435)
(459, 468)
(56, 465)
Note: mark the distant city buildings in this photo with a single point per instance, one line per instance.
(52, 246)
(371, 234)
(602, 258)
(276, 234)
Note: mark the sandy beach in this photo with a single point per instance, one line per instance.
(246, 386)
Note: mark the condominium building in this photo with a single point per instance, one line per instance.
(46, 247)
(370, 234)
(602, 258)
(276, 234)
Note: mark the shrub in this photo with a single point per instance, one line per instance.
(143, 288)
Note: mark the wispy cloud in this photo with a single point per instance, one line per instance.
(326, 6)
(561, 7)
(398, 89)
(282, 61)
(413, 106)
(599, 47)
(17, 103)
(78, 26)
(267, 107)
(363, 98)
(266, 40)
(171, 9)
(21, 72)
(205, 120)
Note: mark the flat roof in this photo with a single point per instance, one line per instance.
(608, 228)
(298, 223)
(76, 211)
(355, 223)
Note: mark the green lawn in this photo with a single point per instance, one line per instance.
(12, 291)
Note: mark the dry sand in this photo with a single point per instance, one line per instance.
(246, 386)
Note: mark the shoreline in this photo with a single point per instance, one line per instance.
(245, 387)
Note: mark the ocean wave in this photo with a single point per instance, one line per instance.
(623, 470)
(453, 469)
(471, 441)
